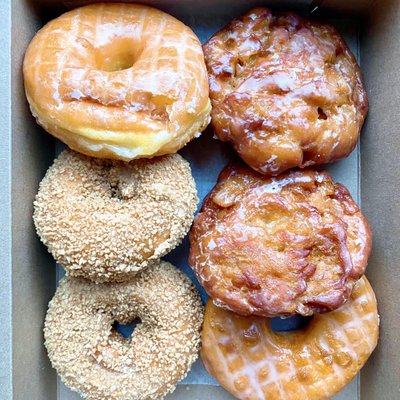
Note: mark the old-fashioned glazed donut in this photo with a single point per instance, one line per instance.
(286, 91)
(94, 360)
(293, 244)
(119, 81)
(255, 363)
(106, 219)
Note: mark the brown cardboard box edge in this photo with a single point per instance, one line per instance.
(380, 191)
(380, 55)
(32, 285)
(5, 203)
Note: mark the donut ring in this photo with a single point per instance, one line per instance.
(105, 220)
(286, 92)
(97, 362)
(119, 81)
(293, 244)
(254, 363)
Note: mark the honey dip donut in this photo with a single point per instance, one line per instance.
(94, 360)
(286, 92)
(120, 81)
(255, 363)
(106, 219)
(292, 244)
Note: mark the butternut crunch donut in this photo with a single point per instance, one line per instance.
(119, 81)
(254, 363)
(293, 244)
(105, 220)
(286, 91)
(94, 360)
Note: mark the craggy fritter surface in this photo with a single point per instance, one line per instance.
(287, 92)
(294, 244)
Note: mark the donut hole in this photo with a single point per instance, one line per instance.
(295, 323)
(117, 55)
(125, 330)
(118, 62)
(122, 183)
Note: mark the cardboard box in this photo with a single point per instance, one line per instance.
(28, 273)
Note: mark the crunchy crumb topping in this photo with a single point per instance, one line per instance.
(97, 362)
(105, 220)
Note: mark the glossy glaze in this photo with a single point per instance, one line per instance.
(118, 81)
(254, 363)
(294, 244)
(287, 92)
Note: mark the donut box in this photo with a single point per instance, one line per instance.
(29, 277)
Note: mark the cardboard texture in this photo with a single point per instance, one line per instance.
(32, 286)
(5, 201)
(380, 191)
(29, 270)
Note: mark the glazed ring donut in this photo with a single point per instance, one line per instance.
(254, 363)
(106, 219)
(118, 81)
(286, 91)
(94, 360)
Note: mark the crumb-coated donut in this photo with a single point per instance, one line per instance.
(119, 81)
(293, 244)
(94, 360)
(286, 91)
(255, 363)
(105, 219)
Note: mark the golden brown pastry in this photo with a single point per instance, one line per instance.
(105, 220)
(293, 244)
(94, 360)
(119, 81)
(286, 91)
(254, 363)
